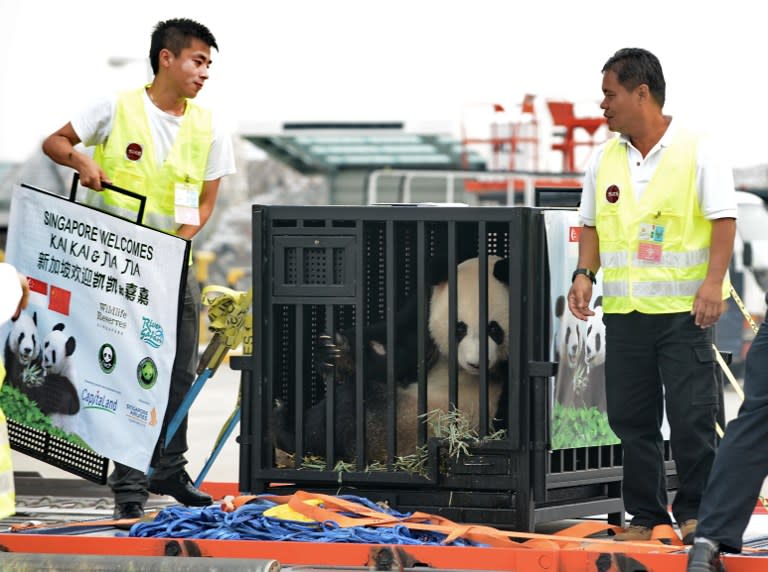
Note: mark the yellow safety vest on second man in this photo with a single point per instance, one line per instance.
(654, 252)
(128, 159)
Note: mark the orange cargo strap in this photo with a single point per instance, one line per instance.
(574, 537)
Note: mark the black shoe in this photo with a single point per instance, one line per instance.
(128, 510)
(180, 487)
(704, 556)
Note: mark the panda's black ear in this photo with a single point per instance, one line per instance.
(559, 305)
(501, 270)
(598, 302)
(59, 327)
(437, 270)
(70, 346)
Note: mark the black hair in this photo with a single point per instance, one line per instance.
(175, 35)
(635, 66)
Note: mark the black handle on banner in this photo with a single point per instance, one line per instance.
(141, 198)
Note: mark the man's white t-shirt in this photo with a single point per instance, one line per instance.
(93, 124)
(714, 177)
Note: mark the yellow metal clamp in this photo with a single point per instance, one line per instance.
(230, 320)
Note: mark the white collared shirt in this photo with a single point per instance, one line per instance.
(714, 176)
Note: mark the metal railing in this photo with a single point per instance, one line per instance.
(510, 182)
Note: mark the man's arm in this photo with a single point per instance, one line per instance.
(207, 202)
(60, 147)
(708, 304)
(589, 257)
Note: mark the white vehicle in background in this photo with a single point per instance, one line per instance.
(749, 276)
(751, 250)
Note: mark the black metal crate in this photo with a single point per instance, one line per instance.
(318, 270)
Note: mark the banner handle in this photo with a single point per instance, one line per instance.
(141, 198)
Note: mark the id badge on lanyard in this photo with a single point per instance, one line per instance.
(186, 204)
(651, 242)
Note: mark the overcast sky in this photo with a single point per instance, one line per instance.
(283, 60)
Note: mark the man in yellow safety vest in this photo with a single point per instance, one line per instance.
(155, 141)
(658, 212)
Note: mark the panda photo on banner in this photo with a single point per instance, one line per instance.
(579, 411)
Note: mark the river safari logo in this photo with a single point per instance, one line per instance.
(151, 332)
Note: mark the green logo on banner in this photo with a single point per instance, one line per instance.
(147, 373)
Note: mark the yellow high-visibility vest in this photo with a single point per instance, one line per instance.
(128, 159)
(7, 490)
(654, 252)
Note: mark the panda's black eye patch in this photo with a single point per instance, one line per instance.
(461, 331)
(495, 332)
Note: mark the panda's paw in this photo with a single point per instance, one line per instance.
(328, 353)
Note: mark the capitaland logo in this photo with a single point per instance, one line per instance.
(146, 373)
(151, 332)
(107, 358)
(98, 400)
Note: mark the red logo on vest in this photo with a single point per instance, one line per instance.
(133, 152)
(612, 194)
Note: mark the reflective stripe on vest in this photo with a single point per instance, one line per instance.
(128, 159)
(7, 491)
(629, 282)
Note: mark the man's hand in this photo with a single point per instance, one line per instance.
(708, 304)
(91, 174)
(579, 296)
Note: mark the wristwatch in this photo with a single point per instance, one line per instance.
(586, 272)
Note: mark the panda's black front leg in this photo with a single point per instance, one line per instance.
(334, 356)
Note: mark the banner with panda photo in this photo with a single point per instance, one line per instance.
(90, 358)
(579, 416)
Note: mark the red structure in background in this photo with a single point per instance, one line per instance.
(507, 138)
(563, 116)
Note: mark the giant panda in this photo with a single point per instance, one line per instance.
(57, 396)
(22, 349)
(594, 355)
(581, 371)
(438, 354)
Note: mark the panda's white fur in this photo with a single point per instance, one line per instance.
(468, 296)
(22, 348)
(57, 349)
(60, 380)
(23, 339)
(467, 352)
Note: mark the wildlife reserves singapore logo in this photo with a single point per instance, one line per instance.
(147, 373)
